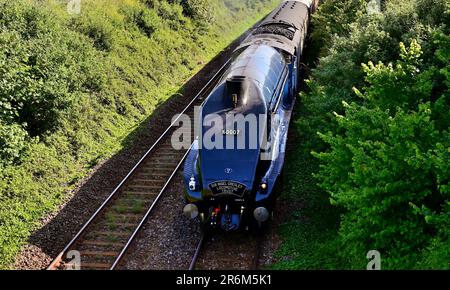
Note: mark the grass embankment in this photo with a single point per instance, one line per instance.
(378, 95)
(74, 86)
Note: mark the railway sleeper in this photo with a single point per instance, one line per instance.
(108, 234)
(153, 175)
(145, 186)
(154, 184)
(96, 266)
(128, 209)
(158, 170)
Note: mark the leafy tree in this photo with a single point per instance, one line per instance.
(383, 147)
(389, 158)
(334, 19)
(361, 38)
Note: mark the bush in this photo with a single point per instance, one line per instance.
(43, 68)
(370, 38)
(387, 158)
(13, 143)
(147, 21)
(334, 19)
(98, 29)
(200, 10)
(383, 147)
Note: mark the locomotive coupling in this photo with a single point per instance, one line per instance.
(261, 214)
(190, 211)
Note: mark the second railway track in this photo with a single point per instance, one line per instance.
(105, 238)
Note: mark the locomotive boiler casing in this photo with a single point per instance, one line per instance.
(230, 188)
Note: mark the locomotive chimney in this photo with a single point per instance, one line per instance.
(236, 89)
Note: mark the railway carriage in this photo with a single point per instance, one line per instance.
(235, 187)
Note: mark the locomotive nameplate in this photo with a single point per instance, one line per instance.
(227, 188)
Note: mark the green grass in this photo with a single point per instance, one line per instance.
(112, 238)
(111, 218)
(138, 206)
(122, 60)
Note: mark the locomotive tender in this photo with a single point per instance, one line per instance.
(233, 183)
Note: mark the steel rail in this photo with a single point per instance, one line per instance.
(197, 252)
(254, 261)
(259, 241)
(149, 211)
(60, 256)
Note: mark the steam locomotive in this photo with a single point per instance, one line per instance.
(233, 172)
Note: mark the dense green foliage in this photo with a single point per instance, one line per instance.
(384, 138)
(73, 86)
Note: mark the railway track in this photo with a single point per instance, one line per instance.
(105, 238)
(222, 252)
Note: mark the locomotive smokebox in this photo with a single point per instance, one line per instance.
(237, 87)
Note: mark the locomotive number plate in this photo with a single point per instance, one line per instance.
(227, 188)
(231, 132)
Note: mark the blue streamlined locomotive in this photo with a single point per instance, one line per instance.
(233, 170)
